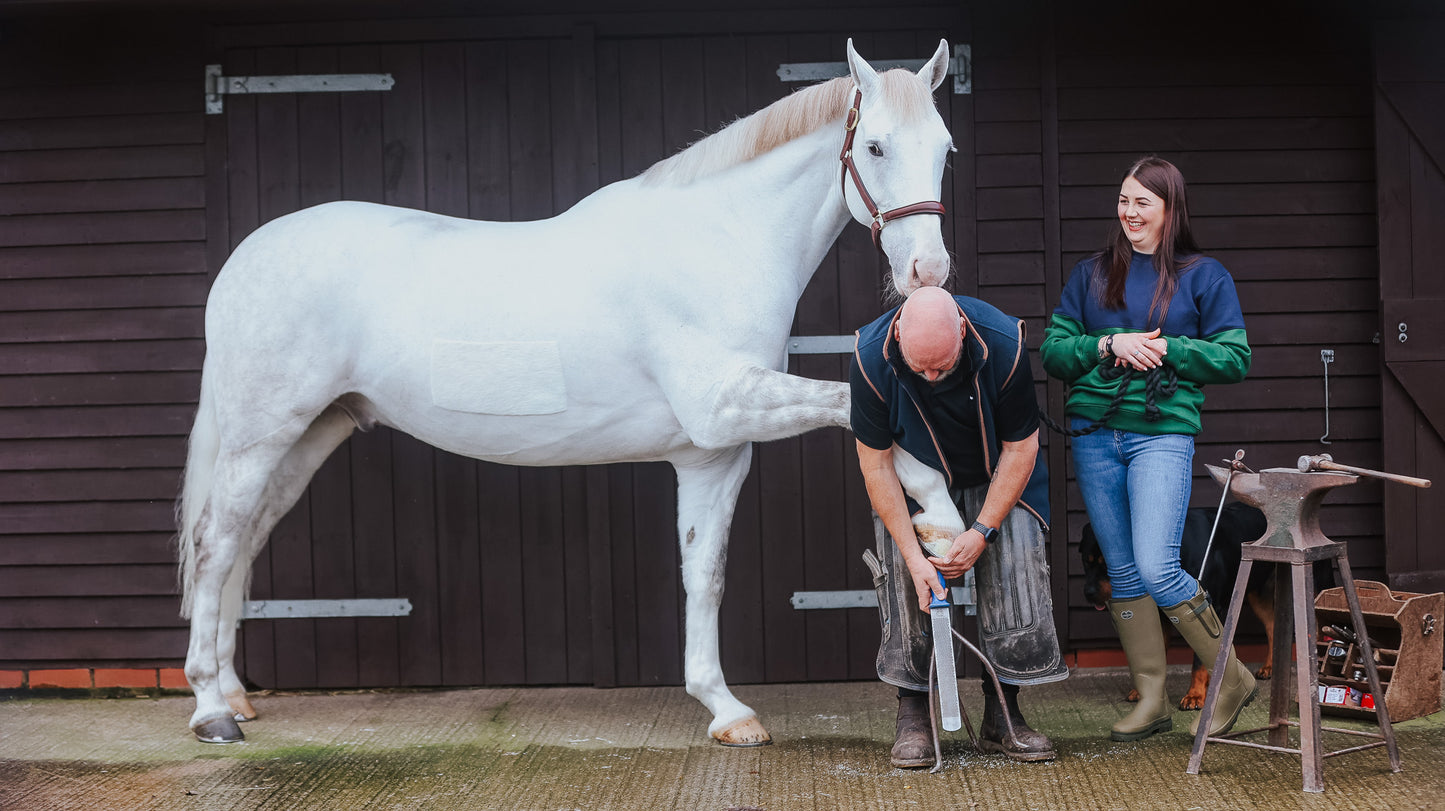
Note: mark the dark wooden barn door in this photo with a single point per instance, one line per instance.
(474, 129)
(528, 575)
(1410, 142)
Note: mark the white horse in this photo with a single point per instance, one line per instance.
(646, 323)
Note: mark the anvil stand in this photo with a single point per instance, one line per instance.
(1290, 501)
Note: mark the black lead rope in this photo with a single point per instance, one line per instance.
(1161, 381)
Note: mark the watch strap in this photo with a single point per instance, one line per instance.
(990, 534)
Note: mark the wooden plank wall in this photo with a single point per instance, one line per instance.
(111, 222)
(102, 279)
(1273, 132)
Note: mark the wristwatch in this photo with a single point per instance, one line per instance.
(990, 534)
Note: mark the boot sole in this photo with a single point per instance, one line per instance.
(914, 764)
(1023, 757)
(1162, 725)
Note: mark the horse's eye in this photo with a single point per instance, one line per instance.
(875, 150)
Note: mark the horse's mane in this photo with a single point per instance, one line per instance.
(790, 117)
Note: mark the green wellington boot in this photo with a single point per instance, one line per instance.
(1200, 626)
(1142, 635)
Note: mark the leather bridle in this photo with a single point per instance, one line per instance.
(850, 169)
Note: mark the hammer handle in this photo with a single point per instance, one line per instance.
(1393, 477)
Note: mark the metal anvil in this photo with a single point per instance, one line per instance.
(1289, 499)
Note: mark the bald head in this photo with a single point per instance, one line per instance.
(930, 333)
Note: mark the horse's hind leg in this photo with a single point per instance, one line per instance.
(285, 487)
(706, 496)
(247, 493)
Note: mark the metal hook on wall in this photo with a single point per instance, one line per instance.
(1327, 356)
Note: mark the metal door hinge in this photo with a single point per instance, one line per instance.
(962, 596)
(821, 344)
(313, 609)
(218, 85)
(960, 67)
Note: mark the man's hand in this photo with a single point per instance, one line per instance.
(961, 555)
(925, 580)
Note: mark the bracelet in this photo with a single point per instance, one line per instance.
(1108, 348)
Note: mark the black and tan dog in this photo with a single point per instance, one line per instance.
(1239, 524)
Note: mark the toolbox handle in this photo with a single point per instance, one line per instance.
(1372, 588)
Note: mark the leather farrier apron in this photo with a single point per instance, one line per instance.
(1015, 606)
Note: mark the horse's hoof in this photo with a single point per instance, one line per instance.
(218, 730)
(241, 707)
(747, 732)
(936, 540)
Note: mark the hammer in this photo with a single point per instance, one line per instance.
(1326, 462)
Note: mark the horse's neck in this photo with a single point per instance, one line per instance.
(791, 197)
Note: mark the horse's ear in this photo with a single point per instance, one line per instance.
(863, 73)
(937, 68)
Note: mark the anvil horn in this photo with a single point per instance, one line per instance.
(1244, 486)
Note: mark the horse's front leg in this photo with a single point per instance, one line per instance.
(938, 522)
(753, 404)
(706, 496)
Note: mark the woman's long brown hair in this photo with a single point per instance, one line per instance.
(1177, 248)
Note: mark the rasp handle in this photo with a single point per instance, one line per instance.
(941, 616)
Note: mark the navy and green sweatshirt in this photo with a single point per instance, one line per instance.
(1204, 330)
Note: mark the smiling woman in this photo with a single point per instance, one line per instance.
(1148, 303)
(1142, 214)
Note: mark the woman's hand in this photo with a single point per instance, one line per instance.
(1141, 350)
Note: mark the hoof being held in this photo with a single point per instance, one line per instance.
(218, 730)
(936, 540)
(241, 707)
(747, 732)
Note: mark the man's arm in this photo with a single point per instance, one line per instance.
(1015, 466)
(886, 495)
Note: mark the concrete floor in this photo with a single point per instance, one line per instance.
(647, 748)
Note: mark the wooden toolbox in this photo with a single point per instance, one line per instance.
(1405, 630)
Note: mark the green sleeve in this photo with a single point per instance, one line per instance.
(1221, 358)
(1068, 352)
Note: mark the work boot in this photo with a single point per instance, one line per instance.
(1027, 744)
(913, 743)
(1137, 622)
(1200, 627)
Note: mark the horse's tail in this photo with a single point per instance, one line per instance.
(201, 455)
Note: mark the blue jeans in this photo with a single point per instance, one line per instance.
(1136, 489)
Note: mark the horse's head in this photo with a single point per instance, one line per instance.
(893, 167)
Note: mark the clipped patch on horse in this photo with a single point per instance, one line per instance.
(510, 378)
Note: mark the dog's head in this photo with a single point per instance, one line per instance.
(1096, 573)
